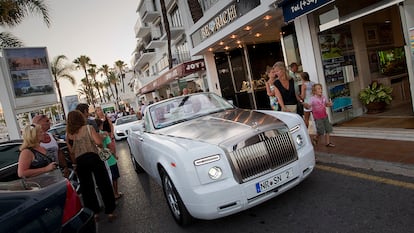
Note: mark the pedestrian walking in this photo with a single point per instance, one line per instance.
(318, 104)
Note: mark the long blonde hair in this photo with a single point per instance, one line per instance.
(30, 138)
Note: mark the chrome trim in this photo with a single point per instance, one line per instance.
(206, 160)
(263, 157)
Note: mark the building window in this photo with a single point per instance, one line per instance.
(162, 63)
(207, 4)
(182, 53)
(175, 17)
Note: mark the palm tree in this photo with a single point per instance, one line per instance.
(92, 71)
(13, 12)
(61, 70)
(120, 65)
(83, 62)
(104, 70)
(114, 81)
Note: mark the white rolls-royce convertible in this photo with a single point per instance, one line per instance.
(213, 159)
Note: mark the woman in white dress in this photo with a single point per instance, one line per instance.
(305, 94)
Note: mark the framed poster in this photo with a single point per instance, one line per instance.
(29, 77)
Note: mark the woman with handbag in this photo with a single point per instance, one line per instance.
(82, 141)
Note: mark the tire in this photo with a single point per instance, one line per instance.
(174, 201)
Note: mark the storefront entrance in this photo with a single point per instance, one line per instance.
(360, 52)
(242, 76)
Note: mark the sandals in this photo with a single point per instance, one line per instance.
(111, 217)
(119, 196)
(330, 145)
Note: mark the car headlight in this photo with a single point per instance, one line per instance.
(299, 140)
(215, 173)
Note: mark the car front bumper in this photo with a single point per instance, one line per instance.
(227, 197)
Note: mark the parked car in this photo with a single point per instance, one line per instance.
(122, 125)
(9, 157)
(44, 203)
(58, 131)
(213, 159)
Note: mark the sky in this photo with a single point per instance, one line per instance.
(103, 30)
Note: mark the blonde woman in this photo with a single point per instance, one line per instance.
(274, 95)
(286, 86)
(33, 158)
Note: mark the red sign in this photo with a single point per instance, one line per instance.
(175, 73)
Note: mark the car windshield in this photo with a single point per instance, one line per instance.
(183, 108)
(126, 119)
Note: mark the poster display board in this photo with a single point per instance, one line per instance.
(29, 78)
(339, 67)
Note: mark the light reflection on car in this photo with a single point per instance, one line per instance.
(213, 159)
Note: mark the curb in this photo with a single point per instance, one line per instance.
(374, 133)
(375, 165)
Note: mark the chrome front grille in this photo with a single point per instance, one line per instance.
(263, 157)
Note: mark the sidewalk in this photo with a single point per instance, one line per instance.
(394, 156)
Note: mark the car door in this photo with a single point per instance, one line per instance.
(135, 140)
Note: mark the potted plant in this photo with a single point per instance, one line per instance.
(375, 97)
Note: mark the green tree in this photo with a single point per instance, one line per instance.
(13, 12)
(113, 80)
(104, 70)
(61, 70)
(92, 71)
(83, 63)
(120, 65)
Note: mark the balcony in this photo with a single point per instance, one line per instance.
(143, 57)
(148, 12)
(176, 32)
(155, 40)
(182, 57)
(141, 29)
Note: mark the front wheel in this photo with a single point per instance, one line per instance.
(176, 205)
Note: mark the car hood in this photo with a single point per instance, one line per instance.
(223, 126)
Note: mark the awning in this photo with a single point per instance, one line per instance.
(296, 8)
(175, 73)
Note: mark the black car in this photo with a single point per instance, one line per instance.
(58, 131)
(9, 156)
(44, 203)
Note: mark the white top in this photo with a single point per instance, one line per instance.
(52, 148)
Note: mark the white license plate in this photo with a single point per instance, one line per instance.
(274, 181)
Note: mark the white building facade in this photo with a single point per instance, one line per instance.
(343, 46)
(154, 78)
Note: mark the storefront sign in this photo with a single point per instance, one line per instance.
(226, 16)
(221, 20)
(177, 72)
(296, 8)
